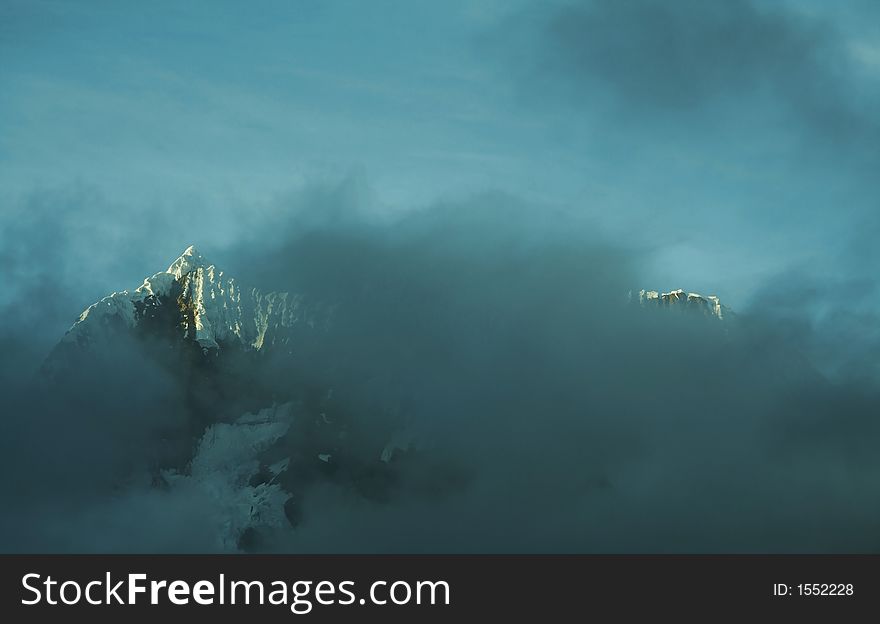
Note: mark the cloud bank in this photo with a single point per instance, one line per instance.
(548, 413)
(728, 147)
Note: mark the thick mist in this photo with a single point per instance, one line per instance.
(545, 410)
(583, 422)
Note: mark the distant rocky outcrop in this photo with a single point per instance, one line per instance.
(709, 305)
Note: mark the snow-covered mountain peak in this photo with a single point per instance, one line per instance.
(188, 261)
(210, 307)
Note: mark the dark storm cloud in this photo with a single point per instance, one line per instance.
(576, 421)
(747, 126)
(656, 61)
(680, 54)
(834, 320)
(549, 413)
(77, 454)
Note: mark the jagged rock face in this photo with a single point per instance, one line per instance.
(709, 306)
(204, 328)
(229, 350)
(207, 306)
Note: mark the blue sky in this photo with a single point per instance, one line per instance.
(743, 151)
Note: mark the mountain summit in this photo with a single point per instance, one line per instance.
(250, 429)
(188, 261)
(207, 306)
(686, 301)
